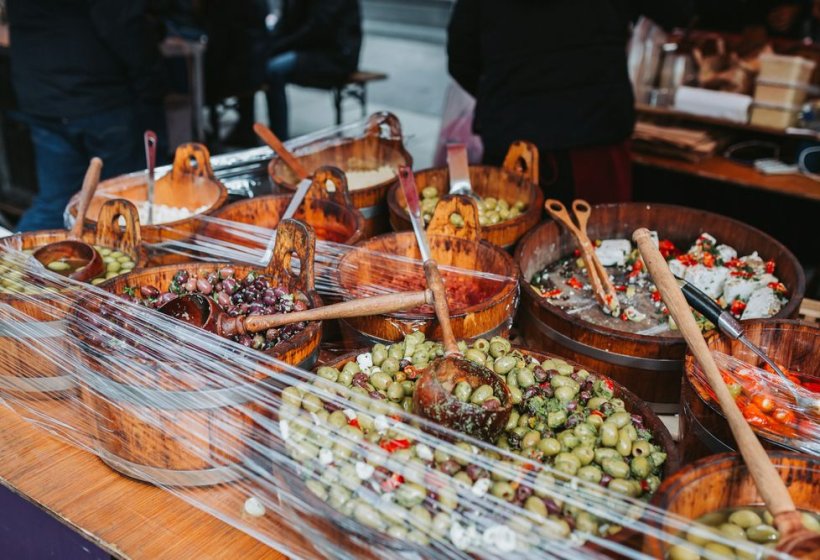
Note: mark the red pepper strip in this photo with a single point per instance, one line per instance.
(392, 482)
(770, 266)
(393, 445)
(624, 316)
(784, 416)
(777, 287)
(812, 386)
(573, 282)
(737, 307)
(552, 293)
(644, 485)
(741, 274)
(708, 260)
(596, 413)
(656, 296)
(687, 259)
(764, 402)
(354, 422)
(755, 417)
(667, 249)
(620, 287)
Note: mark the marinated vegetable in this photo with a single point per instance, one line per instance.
(491, 210)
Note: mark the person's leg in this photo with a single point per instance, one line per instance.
(278, 72)
(114, 136)
(60, 163)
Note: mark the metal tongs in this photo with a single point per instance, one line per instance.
(598, 277)
(731, 327)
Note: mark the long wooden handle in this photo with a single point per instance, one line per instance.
(583, 210)
(363, 307)
(277, 146)
(90, 182)
(436, 285)
(767, 480)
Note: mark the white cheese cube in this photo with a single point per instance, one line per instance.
(613, 252)
(754, 261)
(709, 280)
(725, 252)
(653, 235)
(763, 303)
(677, 268)
(739, 288)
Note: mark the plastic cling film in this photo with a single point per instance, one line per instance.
(335, 463)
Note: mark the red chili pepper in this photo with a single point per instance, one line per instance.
(754, 416)
(708, 260)
(784, 416)
(624, 316)
(734, 263)
(777, 287)
(596, 413)
(608, 384)
(687, 259)
(552, 293)
(573, 282)
(620, 288)
(644, 485)
(764, 402)
(354, 422)
(393, 445)
(737, 307)
(667, 249)
(812, 386)
(637, 266)
(741, 273)
(656, 296)
(392, 482)
(770, 266)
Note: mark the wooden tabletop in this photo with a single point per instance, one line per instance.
(721, 169)
(126, 518)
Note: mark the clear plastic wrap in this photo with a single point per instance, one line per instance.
(304, 462)
(768, 405)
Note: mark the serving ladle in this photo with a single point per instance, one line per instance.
(796, 539)
(275, 144)
(73, 249)
(434, 398)
(202, 311)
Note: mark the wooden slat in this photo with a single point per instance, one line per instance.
(128, 519)
(810, 311)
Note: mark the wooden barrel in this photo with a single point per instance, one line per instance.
(325, 520)
(330, 214)
(650, 366)
(174, 427)
(516, 180)
(723, 481)
(190, 184)
(381, 145)
(493, 289)
(704, 429)
(28, 347)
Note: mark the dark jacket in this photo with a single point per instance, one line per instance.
(327, 35)
(550, 71)
(72, 58)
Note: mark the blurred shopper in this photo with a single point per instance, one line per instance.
(315, 43)
(86, 74)
(554, 72)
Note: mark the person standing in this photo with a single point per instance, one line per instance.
(554, 72)
(315, 43)
(85, 72)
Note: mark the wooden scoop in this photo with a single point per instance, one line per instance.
(459, 168)
(277, 146)
(204, 312)
(72, 249)
(598, 277)
(433, 397)
(795, 539)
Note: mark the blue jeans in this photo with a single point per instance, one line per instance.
(62, 150)
(278, 73)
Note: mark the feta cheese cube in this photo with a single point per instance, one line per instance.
(709, 280)
(756, 262)
(677, 268)
(763, 303)
(613, 252)
(725, 252)
(739, 288)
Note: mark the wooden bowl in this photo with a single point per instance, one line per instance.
(182, 428)
(516, 180)
(382, 145)
(651, 366)
(495, 293)
(324, 520)
(704, 429)
(723, 481)
(330, 214)
(190, 184)
(26, 371)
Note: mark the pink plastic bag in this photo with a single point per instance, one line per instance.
(457, 126)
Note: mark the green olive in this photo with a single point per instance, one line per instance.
(481, 394)
(762, 533)
(745, 518)
(549, 446)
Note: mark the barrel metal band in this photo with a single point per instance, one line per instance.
(709, 439)
(623, 360)
(171, 477)
(37, 384)
(32, 329)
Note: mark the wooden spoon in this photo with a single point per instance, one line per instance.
(277, 146)
(433, 397)
(204, 312)
(73, 249)
(598, 277)
(795, 539)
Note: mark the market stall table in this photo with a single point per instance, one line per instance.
(126, 518)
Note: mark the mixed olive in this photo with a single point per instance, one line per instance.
(12, 278)
(563, 417)
(491, 210)
(744, 525)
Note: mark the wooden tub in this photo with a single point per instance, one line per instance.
(650, 366)
(723, 481)
(147, 428)
(381, 145)
(324, 520)
(190, 184)
(27, 370)
(494, 289)
(516, 180)
(330, 214)
(704, 429)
